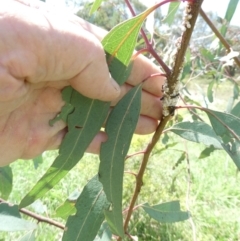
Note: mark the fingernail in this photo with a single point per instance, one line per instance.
(115, 85)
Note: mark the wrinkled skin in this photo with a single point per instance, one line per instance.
(41, 52)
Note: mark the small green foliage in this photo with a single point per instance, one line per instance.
(172, 10)
(90, 206)
(169, 212)
(226, 126)
(210, 91)
(197, 132)
(37, 161)
(207, 152)
(232, 6)
(67, 109)
(84, 123)
(96, 4)
(236, 110)
(6, 181)
(10, 219)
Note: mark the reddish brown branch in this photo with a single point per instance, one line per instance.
(39, 218)
(219, 35)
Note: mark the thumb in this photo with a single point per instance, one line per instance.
(81, 60)
(95, 81)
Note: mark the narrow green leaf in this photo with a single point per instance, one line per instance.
(95, 6)
(120, 127)
(180, 160)
(235, 91)
(165, 139)
(207, 152)
(37, 161)
(90, 213)
(67, 109)
(236, 110)
(233, 150)
(223, 123)
(173, 8)
(199, 132)
(232, 6)
(85, 116)
(210, 91)
(121, 40)
(208, 54)
(6, 179)
(106, 234)
(10, 219)
(226, 126)
(84, 123)
(166, 212)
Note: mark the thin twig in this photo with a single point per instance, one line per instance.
(141, 171)
(191, 111)
(219, 35)
(38, 217)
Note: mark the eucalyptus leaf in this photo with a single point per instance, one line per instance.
(37, 161)
(106, 232)
(84, 123)
(120, 42)
(96, 4)
(85, 120)
(199, 132)
(166, 212)
(210, 91)
(172, 9)
(6, 181)
(91, 204)
(226, 126)
(120, 127)
(232, 6)
(236, 110)
(10, 219)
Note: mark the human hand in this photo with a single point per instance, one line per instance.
(40, 53)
